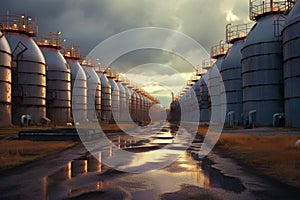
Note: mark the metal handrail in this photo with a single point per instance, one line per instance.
(50, 39)
(72, 52)
(219, 50)
(261, 7)
(207, 63)
(237, 32)
(22, 23)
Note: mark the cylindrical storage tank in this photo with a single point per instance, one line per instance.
(197, 92)
(262, 74)
(123, 102)
(5, 82)
(204, 97)
(115, 97)
(106, 98)
(214, 80)
(133, 105)
(29, 70)
(93, 91)
(231, 72)
(127, 111)
(58, 80)
(78, 86)
(291, 70)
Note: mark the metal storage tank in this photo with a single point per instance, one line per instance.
(126, 111)
(115, 96)
(133, 104)
(218, 52)
(204, 94)
(262, 63)
(231, 72)
(291, 70)
(93, 91)
(123, 102)
(28, 70)
(58, 79)
(106, 98)
(5, 82)
(78, 88)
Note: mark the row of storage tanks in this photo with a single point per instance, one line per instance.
(40, 81)
(259, 68)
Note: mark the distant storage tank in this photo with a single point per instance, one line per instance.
(204, 94)
(29, 70)
(78, 85)
(123, 101)
(126, 112)
(115, 97)
(133, 104)
(231, 72)
(291, 70)
(58, 79)
(5, 82)
(218, 52)
(106, 98)
(262, 63)
(93, 91)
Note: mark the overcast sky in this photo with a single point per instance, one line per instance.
(88, 22)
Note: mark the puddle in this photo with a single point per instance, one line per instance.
(86, 174)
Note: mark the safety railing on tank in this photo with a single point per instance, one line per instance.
(237, 32)
(219, 50)
(207, 63)
(72, 52)
(261, 7)
(50, 39)
(21, 23)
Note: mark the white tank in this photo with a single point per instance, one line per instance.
(126, 113)
(58, 80)
(291, 70)
(115, 97)
(29, 69)
(123, 103)
(133, 106)
(5, 82)
(93, 92)
(78, 86)
(106, 98)
(262, 74)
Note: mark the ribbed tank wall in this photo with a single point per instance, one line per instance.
(123, 107)
(198, 95)
(58, 86)
(127, 111)
(137, 107)
(5, 82)
(262, 72)
(115, 97)
(133, 105)
(214, 80)
(231, 72)
(204, 97)
(78, 91)
(93, 93)
(106, 101)
(28, 78)
(291, 70)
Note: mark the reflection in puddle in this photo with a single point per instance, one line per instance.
(85, 174)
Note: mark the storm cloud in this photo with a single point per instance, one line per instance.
(86, 23)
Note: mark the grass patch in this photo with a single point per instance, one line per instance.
(17, 152)
(275, 156)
